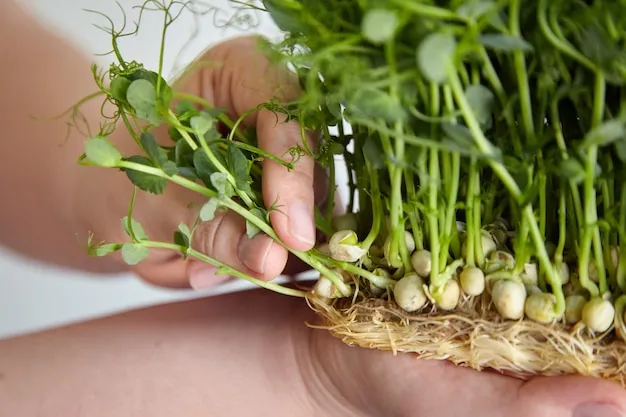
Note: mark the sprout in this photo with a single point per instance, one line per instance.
(529, 275)
(409, 293)
(324, 249)
(421, 262)
(532, 289)
(449, 296)
(563, 273)
(383, 273)
(410, 244)
(472, 281)
(325, 288)
(509, 298)
(614, 250)
(487, 241)
(574, 308)
(598, 314)
(540, 307)
(499, 260)
(343, 246)
(347, 221)
(593, 272)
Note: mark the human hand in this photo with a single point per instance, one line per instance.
(370, 383)
(237, 77)
(255, 361)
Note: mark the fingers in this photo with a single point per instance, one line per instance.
(246, 80)
(291, 191)
(224, 239)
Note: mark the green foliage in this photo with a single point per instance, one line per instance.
(469, 111)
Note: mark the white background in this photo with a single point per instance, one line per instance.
(34, 297)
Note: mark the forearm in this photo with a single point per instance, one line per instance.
(200, 358)
(41, 77)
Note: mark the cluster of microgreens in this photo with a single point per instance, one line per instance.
(486, 155)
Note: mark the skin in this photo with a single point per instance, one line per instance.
(79, 200)
(199, 358)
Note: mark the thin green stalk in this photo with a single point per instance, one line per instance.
(486, 148)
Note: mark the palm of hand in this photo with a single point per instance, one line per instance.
(373, 383)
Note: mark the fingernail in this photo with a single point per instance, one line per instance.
(203, 277)
(301, 223)
(254, 254)
(597, 410)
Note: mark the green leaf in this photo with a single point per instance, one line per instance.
(140, 233)
(482, 101)
(119, 87)
(201, 124)
(620, 150)
(458, 134)
(141, 95)
(606, 133)
(251, 229)
(104, 250)
(183, 154)
(373, 152)
(101, 152)
(504, 43)
(204, 167)
(435, 54)
(144, 181)
(157, 154)
(182, 236)
(220, 183)
(373, 103)
(240, 168)
(475, 9)
(134, 253)
(571, 169)
(379, 25)
(208, 210)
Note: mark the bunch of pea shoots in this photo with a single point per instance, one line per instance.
(485, 148)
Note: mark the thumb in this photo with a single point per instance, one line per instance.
(225, 239)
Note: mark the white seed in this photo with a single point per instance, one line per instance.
(593, 272)
(532, 289)
(347, 221)
(409, 293)
(499, 260)
(530, 275)
(324, 248)
(509, 297)
(563, 273)
(598, 315)
(421, 262)
(540, 307)
(343, 246)
(488, 244)
(344, 237)
(614, 255)
(574, 308)
(383, 273)
(410, 245)
(472, 281)
(449, 297)
(325, 288)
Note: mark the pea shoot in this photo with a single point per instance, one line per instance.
(486, 158)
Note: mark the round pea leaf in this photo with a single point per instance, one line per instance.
(101, 152)
(435, 54)
(482, 100)
(141, 95)
(133, 253)
(379, 25)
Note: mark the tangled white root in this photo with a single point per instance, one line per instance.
(476, 337)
